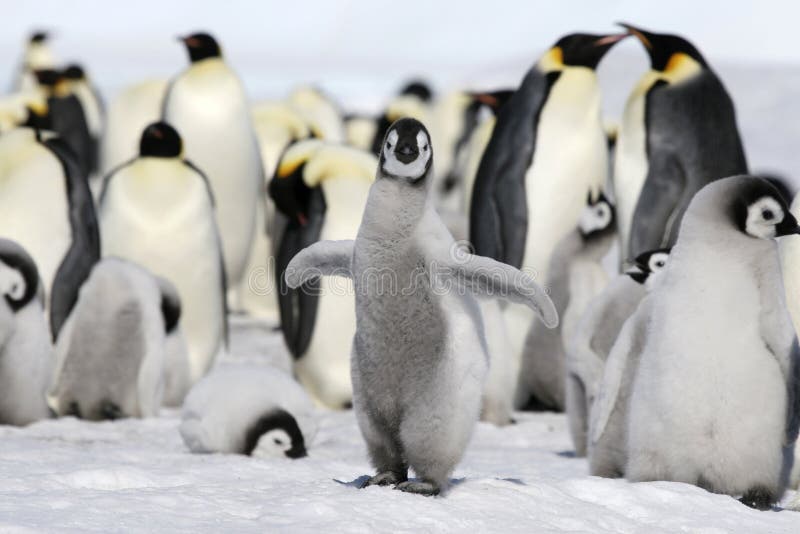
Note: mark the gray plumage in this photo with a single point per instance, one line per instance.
(111, 357)
(26, 355)
(712, 401)
(587, 352)
(419, 356)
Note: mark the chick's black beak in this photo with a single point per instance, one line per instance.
(788, 226)
(406, 152)
(637, 274)
(297, 452)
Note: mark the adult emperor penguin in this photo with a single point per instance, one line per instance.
(158, 211)
(596, 332)
(128, 114)
(207, 104)
(246, 409)
(26, 354)
(419, 354)
(46, 206)
(111, 354)
(678, 133)
(319, 111)
(38, 55)
(576, 277)
(714, 402)
(322, 190)
(609, 414)
(547, 149)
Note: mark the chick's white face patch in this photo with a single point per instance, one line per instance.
(595, 217)
(273, 444)
(12, 284)
(414, 169)
(763, 216)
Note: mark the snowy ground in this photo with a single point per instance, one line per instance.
(137, 475)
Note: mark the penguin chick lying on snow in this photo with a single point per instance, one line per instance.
(596, 333)
(419, 355)
(111, 353)
(26, 356)
(576, 276)
(257, 411)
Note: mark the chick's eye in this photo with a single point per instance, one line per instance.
(388, 146)
(767, 215)
(277, 441)
(425, 148)
(659, 264)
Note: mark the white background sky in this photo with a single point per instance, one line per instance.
(368, 47)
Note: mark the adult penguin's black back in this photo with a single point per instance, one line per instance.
(84, 250)
(691, 138)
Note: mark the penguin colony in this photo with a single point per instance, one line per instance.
(130, 232)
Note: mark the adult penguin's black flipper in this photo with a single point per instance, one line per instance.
(661, 205)
(499, 213)
(84, 250)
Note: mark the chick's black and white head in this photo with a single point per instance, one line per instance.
(597, 217)
(407, 152)
(19, 278)
(760, 211)
(201, 46)
(160, 140)
(276, 433)
(648, 266)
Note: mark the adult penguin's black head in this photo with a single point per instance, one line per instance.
(583, 49)
(49, 77)
(38, 37)
(666, 51)
(19, 278)
(275, 433)
(201, 46)
(418, 88)
(407, 152)
(288, 189)
(492, 100)
(160, 140)
(75, 73)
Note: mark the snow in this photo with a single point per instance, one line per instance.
(137, 475)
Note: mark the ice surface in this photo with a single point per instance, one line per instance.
(137, 475)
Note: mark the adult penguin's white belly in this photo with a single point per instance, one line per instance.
(325, 367)
(630, 158)
(34, 209)
(208, 107)
(168, 227)
(570, 160)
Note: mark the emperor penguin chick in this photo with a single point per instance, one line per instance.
(26, 354)
(609, 414)
(111, 353)
(419, 355)
(596, 333)
(714, 401)
(247, 409)
(576, 276)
